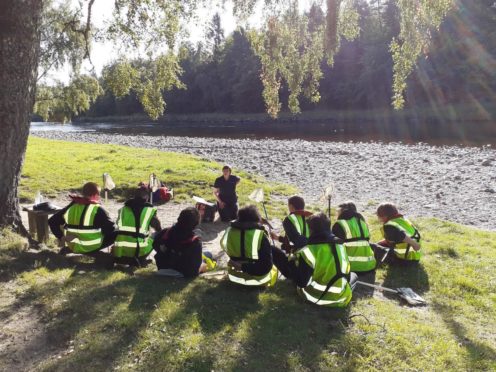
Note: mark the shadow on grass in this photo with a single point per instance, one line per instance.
(145, 321)
(11, 265)
(291, 334)
(482, 356)
(100, 321)
(412, 275)
(258, 329)
(362, 291)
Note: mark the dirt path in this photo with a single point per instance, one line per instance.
(24, 341)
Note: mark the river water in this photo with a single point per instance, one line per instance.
(283, 131)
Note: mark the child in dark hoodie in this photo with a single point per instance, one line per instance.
(178, 248)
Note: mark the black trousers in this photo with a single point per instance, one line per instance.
(290, 271)
(229, 212)
(381, 253)
(286, 267)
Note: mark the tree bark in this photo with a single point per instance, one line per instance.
(19, 49)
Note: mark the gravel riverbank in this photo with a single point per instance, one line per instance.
(453, 183)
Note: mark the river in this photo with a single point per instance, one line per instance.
(313, 131)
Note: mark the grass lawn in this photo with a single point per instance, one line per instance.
(110, 320)
(55, 167)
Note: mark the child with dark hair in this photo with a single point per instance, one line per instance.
(352, 229)
(295, 225)
(225, 193)
(133, 242)
(320, 270)
(247, 245)
(399, 233)
(179, 248)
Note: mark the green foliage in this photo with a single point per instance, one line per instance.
(290, 45)
(60, 102)
(465, 79)
(361, 78)
(60, 41)
(418, 19)
(144, 24)
(147, 79)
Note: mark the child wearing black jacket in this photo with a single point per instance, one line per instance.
(178, 248)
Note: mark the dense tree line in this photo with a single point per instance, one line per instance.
(223, 73)
(461, 69)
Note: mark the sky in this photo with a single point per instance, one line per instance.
(104, 53)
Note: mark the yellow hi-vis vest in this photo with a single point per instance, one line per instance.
(300, 224)
(133, 236)
(404, 251)
(329, 284)
(245, 245)
(79, 221)
(360, 254)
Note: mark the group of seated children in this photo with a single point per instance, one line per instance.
(320, 260)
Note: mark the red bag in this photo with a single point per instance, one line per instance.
(165, 194)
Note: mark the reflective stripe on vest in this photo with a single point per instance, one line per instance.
(322, 259)
(130, 226)
(402, 250)
(360, 254)
(323, 302)
(82, 231)
(239, 277)
(79, 219)
(333, 289)
(233, 245)
(298, 222)
(128, 240)
(245, 244)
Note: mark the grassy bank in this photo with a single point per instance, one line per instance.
(56, 167)
(110, 320)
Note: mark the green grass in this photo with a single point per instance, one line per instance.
(55, 167)
(11, 243)
(103, 320)
(110, 320)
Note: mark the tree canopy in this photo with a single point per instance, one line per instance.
(293, 47)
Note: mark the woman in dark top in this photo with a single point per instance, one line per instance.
(178, 247)
(225, 193)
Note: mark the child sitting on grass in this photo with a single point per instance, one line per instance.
(352, 229)
(179, 249)
(399, 234)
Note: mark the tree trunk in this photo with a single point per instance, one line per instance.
(19, 48)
